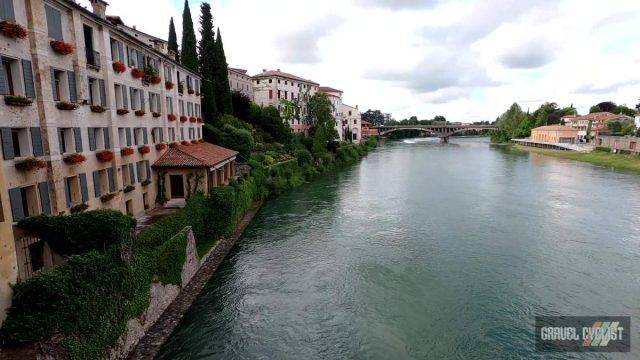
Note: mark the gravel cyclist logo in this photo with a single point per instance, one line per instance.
(583, 333)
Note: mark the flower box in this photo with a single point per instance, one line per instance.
(140, 113)
(173, 145)
(128, 189)
(183, 119)
(17, 101)
(161, 147)
(67, 106)
(30, 164)
(201, 141)
(61, 47)
(74, 159)
(191, 91)
(144, 149)
(168, 85)
(98, 109)
(171, 117)
(122, 111)
(193, 119)
(105, 156)
(12, 30)
(137, 73)
(126, 151)
(107, 197)
(155, 114)
(185, 143)
(119, 67)
(155, 80)
(194, 141)
(146, 182)
(78, 208)
(197, 93)
(200, 120)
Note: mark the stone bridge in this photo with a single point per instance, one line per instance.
(441, 131)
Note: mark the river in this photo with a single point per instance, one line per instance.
(425, 251)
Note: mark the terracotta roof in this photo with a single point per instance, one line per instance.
(600, 117)
(242, 71)
(326, 89)
(194, 156)
(279, 73)
(555, 128)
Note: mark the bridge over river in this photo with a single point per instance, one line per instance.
(441, 131)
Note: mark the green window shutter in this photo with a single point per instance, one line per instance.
(77, 134)
(15, 196)
(92, 139)
(96, 183)
(45, 201)
(36, 141)
(27, 75)
(54, 22)
(83, 187)
(6, 10)
(7, 143)
(73, 92)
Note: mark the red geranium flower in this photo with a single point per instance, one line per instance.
(183, 118)
(61, 47)
(168, 85)
(185, 143)
(137, 73)
(74, 159)
(171, 117)
(105, 156)
(12, 30)
(126, 151)
(144, 149)
(119, 67)
(155, 80)
(193, 119)
(161, 146)
(173, 145)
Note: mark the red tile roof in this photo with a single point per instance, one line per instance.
(272, 73)
(242, 71)
(602, 117)
(194, 156)
(326, 89)
(555, 128)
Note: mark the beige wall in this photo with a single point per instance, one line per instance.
(351, 115)
(553, 136)
(241, 82)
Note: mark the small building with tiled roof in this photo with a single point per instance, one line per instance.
(599, 122)
(189, 168)
(555, 134)
(240, 81)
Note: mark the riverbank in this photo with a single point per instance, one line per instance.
(596, 157)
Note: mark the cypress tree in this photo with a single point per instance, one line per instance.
(221, 79)
(173, 40)
(207, 63)
(189, 55)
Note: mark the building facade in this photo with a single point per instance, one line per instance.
(557, 134)
(285, 91)
(88, 108)
(335, 96)
(240, 81)
(352, 120)
(616, 144)
(599, 123)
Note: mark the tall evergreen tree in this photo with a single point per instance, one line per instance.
(207, 63)
(173, 40)
(189, 55)
(221, 79)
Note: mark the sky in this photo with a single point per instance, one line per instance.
(467, 60)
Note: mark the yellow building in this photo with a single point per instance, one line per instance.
(555, 134)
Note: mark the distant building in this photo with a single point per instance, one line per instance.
(352, 120)
(368, 129)
(619, 143)
(273, 86)
(555, 134)
(240, 81)
(599, 122)
(335, 96)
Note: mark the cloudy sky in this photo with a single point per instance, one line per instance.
(465, 59)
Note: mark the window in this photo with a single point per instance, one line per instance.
(117, 51)
(103, 182)
(97, 93)
(137, 99)
(99, 139)
(270, 81)
(197, 110)
(154, 102)
(279, 96)
(128, 174)
(54, 22)
(190, 109)
(167, 73)
(76, 191)
(172, 134)
(18, 142)
(192, 133)
(140, 136)
(258, 82)
(181, 134)
(144, 170)
(93, 57)
(124, 137)
(7, 12)
(24, 202)
(122, 102)
(66, 140)
(16, 77)
(198, 131)
(286, 95)
(270, 94)
(181, 107)
(157, 135)
(36, 255)
(169, 105)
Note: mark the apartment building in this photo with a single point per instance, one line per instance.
(271, 87)
(335, 96)
(352, 120)
(88, 110)
(240, 81)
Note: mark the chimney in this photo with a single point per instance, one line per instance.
(264, 70)
(99, 8)
(356, 107)
(278, 70)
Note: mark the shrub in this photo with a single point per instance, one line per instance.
(171, 257)
(222, 199)
(304, 157)
(77, 234)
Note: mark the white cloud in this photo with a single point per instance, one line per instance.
(467, 60)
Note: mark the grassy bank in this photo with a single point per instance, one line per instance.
(596, 157)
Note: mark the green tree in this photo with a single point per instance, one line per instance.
(615, 127)
(189, 55)
(625, 110)
(322, 123)
(221, 78)
(514, 123)
(173, 40)
(594, 109)
(376, 117)
(207, 63)
(629, 130)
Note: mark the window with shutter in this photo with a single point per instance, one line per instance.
(54, 22)
(112, 180)
(45, 202)
(36, 141)
(27, 75)
(84, 191)
(92, 139)
(7, 12)
(17, 206)
(73, 93)
(96, 183)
